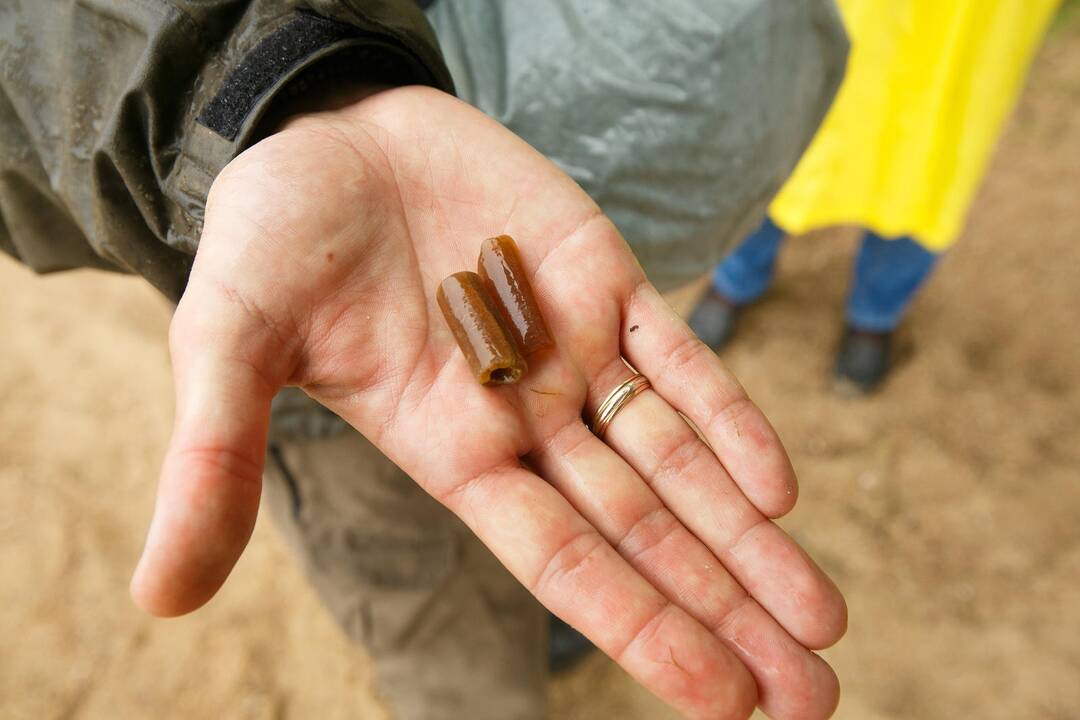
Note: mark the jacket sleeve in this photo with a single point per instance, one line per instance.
(116, 115)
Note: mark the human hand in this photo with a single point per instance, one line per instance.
(322, 249)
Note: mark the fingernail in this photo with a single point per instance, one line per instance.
(505, 279)
(480, 332)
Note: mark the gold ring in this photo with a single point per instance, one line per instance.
(616, 400)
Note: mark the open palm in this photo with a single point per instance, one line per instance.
(322, 250)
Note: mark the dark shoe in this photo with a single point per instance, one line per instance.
(863, 361)
(714, 319)
(566, 646)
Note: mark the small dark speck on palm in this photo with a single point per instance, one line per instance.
(634, 328)
(329, 257)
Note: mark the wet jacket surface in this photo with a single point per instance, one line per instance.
(681, 119)
(116, 115)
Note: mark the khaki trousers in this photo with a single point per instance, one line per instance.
(452, 634)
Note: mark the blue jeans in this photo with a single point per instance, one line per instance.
(887, 275)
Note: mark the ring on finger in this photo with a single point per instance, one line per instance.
(616, 400)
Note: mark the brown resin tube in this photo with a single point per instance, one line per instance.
(479, 331)
(505, 279)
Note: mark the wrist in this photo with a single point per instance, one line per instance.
(313, 96)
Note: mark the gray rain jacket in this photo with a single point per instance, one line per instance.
(681, 118)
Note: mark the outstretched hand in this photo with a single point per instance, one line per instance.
(322, 250)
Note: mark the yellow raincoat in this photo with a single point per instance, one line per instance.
(930, 84)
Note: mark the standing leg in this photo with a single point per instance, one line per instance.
(741, 278)
(888, 273)
(747, 273)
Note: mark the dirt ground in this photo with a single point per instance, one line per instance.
(947, 507)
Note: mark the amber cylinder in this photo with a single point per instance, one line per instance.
(504, 276)
(479, 330)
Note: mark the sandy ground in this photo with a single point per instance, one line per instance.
(947, 507)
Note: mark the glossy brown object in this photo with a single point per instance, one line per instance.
(479, 330)
(505, 279)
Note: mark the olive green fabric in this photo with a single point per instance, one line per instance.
(103, 162)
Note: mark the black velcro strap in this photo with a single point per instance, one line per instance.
(284, 49)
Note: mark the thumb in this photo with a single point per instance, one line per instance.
(208, 493)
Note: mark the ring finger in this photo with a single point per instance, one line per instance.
(619, 504)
